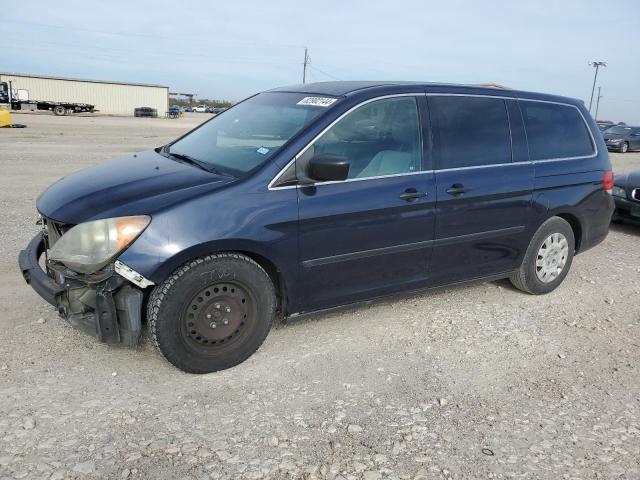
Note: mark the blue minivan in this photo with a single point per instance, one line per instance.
(316, 196)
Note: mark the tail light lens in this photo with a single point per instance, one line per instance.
(607, 181)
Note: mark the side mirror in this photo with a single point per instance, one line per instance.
(327, 168)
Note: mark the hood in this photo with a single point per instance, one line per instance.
(628, 180)
(134, 185)
(612, 136)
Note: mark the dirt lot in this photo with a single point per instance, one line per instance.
(476, 382)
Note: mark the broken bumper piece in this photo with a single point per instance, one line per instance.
(107, 304)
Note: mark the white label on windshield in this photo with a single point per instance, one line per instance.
(317, 101)
(263, 150)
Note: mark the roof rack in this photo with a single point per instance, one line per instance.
(490, 85)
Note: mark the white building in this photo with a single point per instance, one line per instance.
(113, 98)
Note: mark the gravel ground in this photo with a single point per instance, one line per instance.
(475, 382)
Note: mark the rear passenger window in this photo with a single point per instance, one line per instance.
(470, 131)
(555, 131)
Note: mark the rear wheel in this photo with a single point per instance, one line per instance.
(548, 258)
(212, 313)
(624, 148)
(59, 110)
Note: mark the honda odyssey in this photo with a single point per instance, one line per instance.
(311, 197)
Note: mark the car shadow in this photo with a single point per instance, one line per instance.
(628, 228)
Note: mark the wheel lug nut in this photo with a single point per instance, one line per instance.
(218, 306)
(208, 315)
(228, 309)
(225, 321)
(213, 325)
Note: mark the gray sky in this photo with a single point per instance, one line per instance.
(229, 50)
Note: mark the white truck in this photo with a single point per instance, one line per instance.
(200, 108)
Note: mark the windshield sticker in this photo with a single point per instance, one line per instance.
(317, 101)
(263, 150)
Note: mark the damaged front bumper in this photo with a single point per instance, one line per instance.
(107, 305)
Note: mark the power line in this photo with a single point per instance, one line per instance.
(147, 53)
(152, 35)
(323, 72)
(175, 56)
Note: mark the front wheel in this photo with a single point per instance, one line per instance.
(59, 110)
(548, 258)
(624, 148)
(212, 313)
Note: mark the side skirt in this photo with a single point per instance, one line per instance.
(409, 293)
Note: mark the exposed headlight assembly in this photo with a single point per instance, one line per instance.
(619, 192)
(88, 247)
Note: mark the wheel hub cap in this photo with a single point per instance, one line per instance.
(552, 257)
(216, 314)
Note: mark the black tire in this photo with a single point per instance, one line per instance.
(188, 312)
(624, 148)
(59, 110)
(527, 278)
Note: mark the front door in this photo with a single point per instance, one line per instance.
(372, 233)
(484, 187)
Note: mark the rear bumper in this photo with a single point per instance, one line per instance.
(108, 307)
(595, 225)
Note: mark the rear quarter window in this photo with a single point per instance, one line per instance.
(555, 131)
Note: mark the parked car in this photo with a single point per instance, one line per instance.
(626, 193)
(145, 112)
(337, 193)
(622, 138)
(604, 125)
(200, 108)
(174, 109)
(188, 109)
(218, 110)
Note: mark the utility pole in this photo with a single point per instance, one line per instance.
(597, 65)
(307, 61)
(598, 104)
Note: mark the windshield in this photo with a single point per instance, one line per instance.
(618, 130)
(247, 135)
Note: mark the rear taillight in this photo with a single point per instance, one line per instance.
(607, 181)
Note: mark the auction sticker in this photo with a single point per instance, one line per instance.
(317, 101)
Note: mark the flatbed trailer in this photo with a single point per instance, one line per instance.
(58, 108)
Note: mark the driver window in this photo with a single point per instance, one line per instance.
(379, 138)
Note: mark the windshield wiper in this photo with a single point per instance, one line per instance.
(193, 161)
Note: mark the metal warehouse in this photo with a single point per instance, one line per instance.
(109, 97)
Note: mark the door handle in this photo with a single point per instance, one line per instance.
(458, 189)
(411, 194)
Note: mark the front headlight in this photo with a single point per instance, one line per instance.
(615, 140)
(619, 192)
(89, 246)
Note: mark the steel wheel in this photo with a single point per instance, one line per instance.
(216, 317)
(552, 257)
(624, 148)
